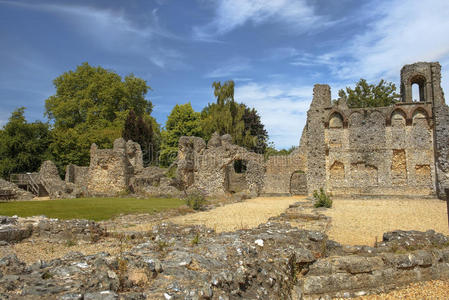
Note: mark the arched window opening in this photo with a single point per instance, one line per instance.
(418, 85)
(240, 166)
(416, 97)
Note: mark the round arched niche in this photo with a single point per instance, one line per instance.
(398, 118)
(336, 121)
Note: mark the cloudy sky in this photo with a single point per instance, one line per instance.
(275, 50)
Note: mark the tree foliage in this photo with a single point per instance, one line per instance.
(229, 117)
(182, 121)
(140, 130)
(91, 105)
(23, 145)
(95, 95)
(272, 151)
(370, 95)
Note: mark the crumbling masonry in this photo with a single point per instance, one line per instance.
(401, 149)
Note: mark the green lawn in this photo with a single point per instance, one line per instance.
(87, 208)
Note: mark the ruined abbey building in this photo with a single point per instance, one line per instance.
(381, 151)
(395, 150)
(400, 150)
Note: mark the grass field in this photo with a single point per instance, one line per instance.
(87, 208)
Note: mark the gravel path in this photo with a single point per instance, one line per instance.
(359, 222)
(242, 215)
(432, 290)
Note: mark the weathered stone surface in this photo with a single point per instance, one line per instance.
(220, 168)
(19, 194)
(10, 233)
(383, 150)
(52, 182)
(346, 151)
(272, 261)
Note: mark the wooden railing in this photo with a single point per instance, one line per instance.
(30, 180)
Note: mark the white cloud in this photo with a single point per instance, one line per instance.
(282, 53)
(401, 32)
(114, 31)
(282, 108)
(230, 14)
(231, 67)
(308, 60)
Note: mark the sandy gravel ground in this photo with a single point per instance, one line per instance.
(243, 215)
(432, 290)
(31, 251)
(359, 222)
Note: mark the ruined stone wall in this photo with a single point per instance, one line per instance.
(77, 175)
(211, 169)
(441, 134)
(401, 149)
(109, 170)
(279, 174)
(315, 141)
(385, 151)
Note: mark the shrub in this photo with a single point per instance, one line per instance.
(322, 199)
(195, 240)
(171, 172)
(195, 200)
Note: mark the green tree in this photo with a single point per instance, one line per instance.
(271, 150)
(229, 117)
(370, 95)
(23, 145)
(182, 121)
(141, 130)
(255, 134)
(91, 105)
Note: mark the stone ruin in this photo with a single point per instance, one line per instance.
(221, 168)
(120, 171)
(401, 149)
(396, 150)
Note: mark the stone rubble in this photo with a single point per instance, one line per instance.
(272, 261)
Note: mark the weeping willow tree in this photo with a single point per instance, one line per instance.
(226, 116)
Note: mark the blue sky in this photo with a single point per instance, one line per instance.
(275, 50)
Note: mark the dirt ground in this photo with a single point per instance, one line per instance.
(355, 222)
(359, 222)
(243, 215)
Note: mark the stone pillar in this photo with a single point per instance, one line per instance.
(316, 147)
(441, 148)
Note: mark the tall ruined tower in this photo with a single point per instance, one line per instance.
(428, 77)
(316, 146)
(400, 149)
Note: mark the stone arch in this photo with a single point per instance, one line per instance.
(419, 80)
(336, 120)
(398, 118)
(377, 117)
(337, 171)
(298, 183)
(421, 136)
(420, 113)
(336, 113)
(355, 119)
(398, 123)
